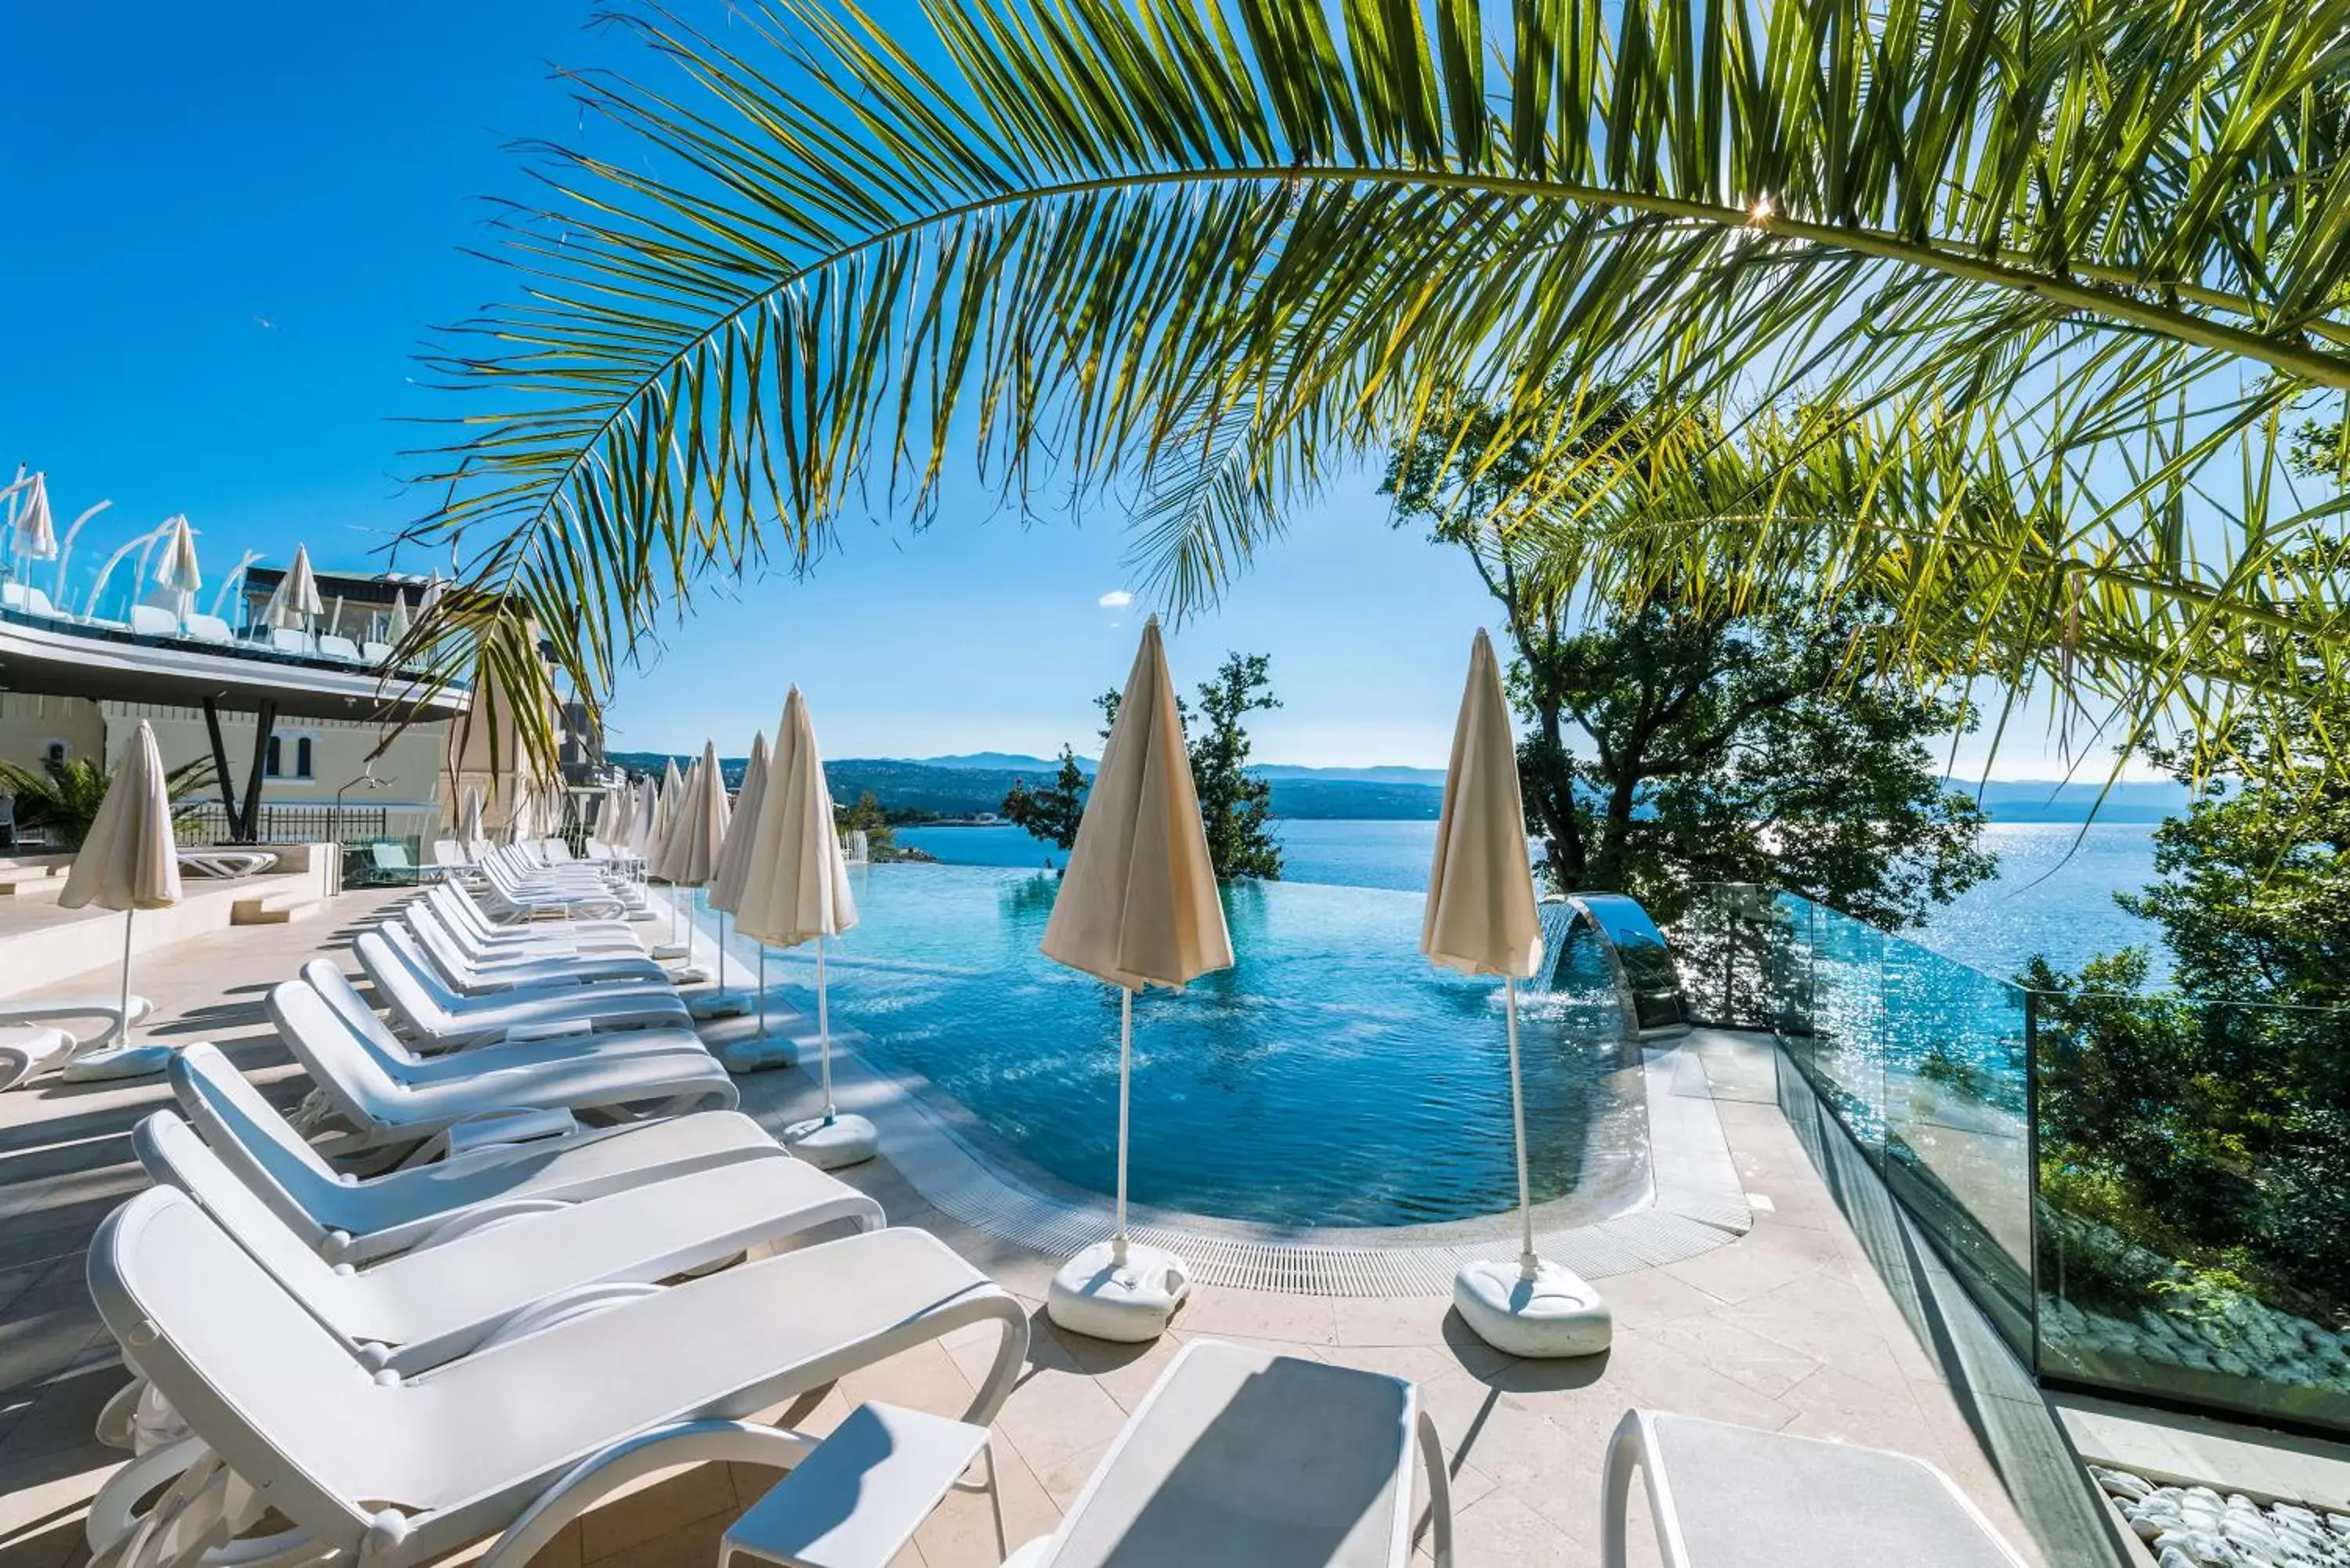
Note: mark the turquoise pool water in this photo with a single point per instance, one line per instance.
(1332, 1076)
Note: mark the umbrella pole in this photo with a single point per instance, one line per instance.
(1528, 1264)
(1125, 1065)
(763, 990)
(824, 1031)
(126, 917)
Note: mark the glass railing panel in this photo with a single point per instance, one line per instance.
(2194, 1188)
(1845, 1056)
(1956, 1110)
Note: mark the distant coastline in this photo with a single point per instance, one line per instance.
(966, 790)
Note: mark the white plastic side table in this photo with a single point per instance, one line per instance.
(859, 1498)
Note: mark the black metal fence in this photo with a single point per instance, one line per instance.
(202, 823)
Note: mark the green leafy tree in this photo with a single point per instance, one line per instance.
(2213, 1127)
(1051, 813)
(870, 817)
(1675, 743)
(64, 796)
(1235, 805)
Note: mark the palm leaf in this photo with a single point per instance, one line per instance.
(1098, 249)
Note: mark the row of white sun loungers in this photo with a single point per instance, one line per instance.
(209, 630)
(573, 1263)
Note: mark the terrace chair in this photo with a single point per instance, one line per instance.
(206, 629)
(333, 646)
(450, 1065)
(510, 900)
(511, 1443)
(439, 1017)
(382, 1112)
(345, 1219)
(226, 865)
(487, 1284)
(449, 852)
(31, 1043)
(1726, 1497)
(285, 639)
(26, 599)
(1239, 1454)
(377, 654)
(480, 977)
(153, 620)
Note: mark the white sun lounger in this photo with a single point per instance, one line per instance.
(1728, 1497)
(444, 1066)
(226, 865)
(463, 915)
(1243, 1457)
(382, 1111)
(345, 1219)
(484, 1284)
(442, 1019)
(33, 1042)
(511, 1443)
(481, 977)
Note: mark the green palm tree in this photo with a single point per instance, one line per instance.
(2035, 291)
(63, 795)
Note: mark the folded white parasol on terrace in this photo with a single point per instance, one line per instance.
(796, 890)
(396, 625)
(1480, 919)
(130, 861)
(294, 606)
(1138, 907)
(734, 874)
(179, 576)
(35, 537)
(470, 828)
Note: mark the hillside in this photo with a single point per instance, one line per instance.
(975, 783)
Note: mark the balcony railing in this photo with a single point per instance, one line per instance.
(2130, 1225)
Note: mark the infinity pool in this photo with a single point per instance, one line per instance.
(1331, 1078)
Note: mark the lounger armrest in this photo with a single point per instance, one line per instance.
(521, 1124)
(552, 1029)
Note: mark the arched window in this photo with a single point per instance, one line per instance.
(274, 767)
(56, 752)
(302, 758)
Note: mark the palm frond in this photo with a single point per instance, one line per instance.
(1089, 244)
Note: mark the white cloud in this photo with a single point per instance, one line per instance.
(1117, 598)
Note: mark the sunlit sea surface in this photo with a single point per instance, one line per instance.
(2053, 896)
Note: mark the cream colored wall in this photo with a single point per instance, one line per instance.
(339, 752)
(29, 723)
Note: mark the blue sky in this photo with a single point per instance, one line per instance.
(233, 226)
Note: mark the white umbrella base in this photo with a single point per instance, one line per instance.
(122, 1062)
(673, 950)
(829, 1145)
(1555, 1313)
(28, 1051)
(1090, 1296)
(717, 1005)
(690, 974)
(758, 1054)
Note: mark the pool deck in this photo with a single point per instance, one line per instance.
(1792, 1326)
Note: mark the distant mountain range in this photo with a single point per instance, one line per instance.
(975, 783)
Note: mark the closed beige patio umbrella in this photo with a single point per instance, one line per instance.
(734, 874)
(796, 890)
(1138, 907)
(130, 861)
(470, 822)
(1480, 919)
(696, 841)
(667, 805)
